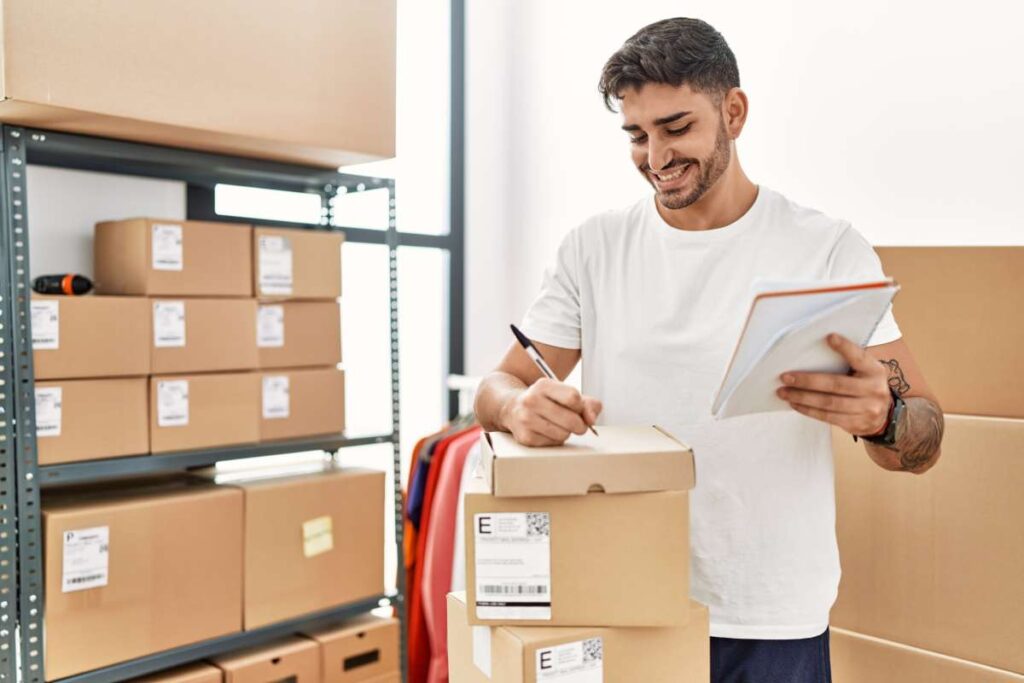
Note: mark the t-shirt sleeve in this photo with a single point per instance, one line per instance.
(853, 258)
(554, 316)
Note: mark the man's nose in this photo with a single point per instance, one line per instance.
(658, 156)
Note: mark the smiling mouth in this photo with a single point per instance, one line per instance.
(673, 178)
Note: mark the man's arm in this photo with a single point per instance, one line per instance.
(859, 402)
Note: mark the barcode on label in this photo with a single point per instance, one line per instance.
(84, 579)
(513, 590)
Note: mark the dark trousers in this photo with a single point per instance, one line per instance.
(806, 660)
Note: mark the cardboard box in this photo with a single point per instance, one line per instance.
(620, 460)
(959, 309)
(302, 403)
(86, 419)
(362, 650)
(135, 569)
(599, 559)
(154, 257)
(202, 411)
(203, 335)
(191, 673)
(292, 334)
(935, 560)
(512, 654)
(294, 660)
(313, 541)
(184, 79)
(857, 658)
(90, 336)
(290, 263)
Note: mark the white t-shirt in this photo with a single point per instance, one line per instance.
(657, 312)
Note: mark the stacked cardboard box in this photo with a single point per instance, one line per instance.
(931, 584)
(577, 560)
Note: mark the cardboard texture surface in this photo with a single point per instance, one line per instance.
(96, 336)
(935, 560)
(651, 655)
(959, 310)
(222, 409)
(172, 571)
(312, 271)
(98, 418)
(189, 258)
(362, 650)
(296, 660)
(192, 673)
(312, 541)
(316, 403)
(190, 75)
(621, 460)
(310, 334)
(638, 540)
(218, 336)
(862, 659)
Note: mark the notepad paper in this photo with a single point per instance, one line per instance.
(786, 330)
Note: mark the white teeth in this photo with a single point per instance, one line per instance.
(666, 178)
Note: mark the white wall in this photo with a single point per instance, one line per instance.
(906, 119)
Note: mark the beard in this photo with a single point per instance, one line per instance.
(711, 169)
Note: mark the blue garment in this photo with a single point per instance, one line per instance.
(803, 660)
(418, 488)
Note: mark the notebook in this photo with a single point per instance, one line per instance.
(786, 329)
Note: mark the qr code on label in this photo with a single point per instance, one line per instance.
(593, 650)
(538, 524)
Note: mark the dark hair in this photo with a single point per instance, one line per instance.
(673, 52)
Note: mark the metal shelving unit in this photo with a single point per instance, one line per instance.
(22, 595)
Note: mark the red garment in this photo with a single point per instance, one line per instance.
(437, 558)
(408, 531)
(419, 638)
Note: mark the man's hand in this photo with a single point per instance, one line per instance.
(859, 402)
(547, 412)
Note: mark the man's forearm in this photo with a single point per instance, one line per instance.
(918, 437)
(494, 393)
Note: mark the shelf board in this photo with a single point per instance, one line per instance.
(95, 470)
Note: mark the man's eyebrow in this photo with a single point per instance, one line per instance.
(662, 121)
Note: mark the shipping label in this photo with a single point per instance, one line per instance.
(578, 662)
(168, 324)
(86, 558)
(168, 249)
(172, 403)
(512, 552)
(45, 325)
(270, 327)
(49, 401)
(275, 264)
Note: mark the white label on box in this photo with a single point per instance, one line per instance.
(48, 411)
(168, 324)
(45, 325)
(579, 662)
(275, 263)
(172, 403)
(86, 558)
(275, 397)
(513, 565)
(270, 327)
(482, 649)
(317, 536)
(168, 252)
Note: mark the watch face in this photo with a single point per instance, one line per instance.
(888, 437)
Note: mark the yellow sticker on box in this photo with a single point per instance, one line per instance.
(317, 536)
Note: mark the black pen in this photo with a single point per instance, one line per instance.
(534, 353)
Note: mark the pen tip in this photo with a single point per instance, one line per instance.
(523, 339)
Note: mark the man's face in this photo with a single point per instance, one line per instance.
(678, 139)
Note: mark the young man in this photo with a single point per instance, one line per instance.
(653, 297)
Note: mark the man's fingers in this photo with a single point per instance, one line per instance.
(591, 409)
(858, 358)
(830, 402)
(563, 417)
(828, 383)
(839, 419)
(563, 394)
(541, 425)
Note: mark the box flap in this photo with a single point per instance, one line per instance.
(623, 459)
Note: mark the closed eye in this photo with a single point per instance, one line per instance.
(671, 131)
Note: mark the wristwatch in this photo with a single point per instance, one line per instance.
(887, 437)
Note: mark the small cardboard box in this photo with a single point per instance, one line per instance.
(90, 336)
(512, 654)
(136, 569)
(87, 419)
(291, 263)
(935, 560)
(200, 672)
(599, 559)
(857, 658)
(202, 411)
(303, 402)
(146, 256)
(203, 335)
(621, 460)
(292, 334)
(294, 660)
(361, 650)
(313, 540)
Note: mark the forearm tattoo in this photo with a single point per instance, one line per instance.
(919, 432)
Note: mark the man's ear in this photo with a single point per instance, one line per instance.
(734, 111)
